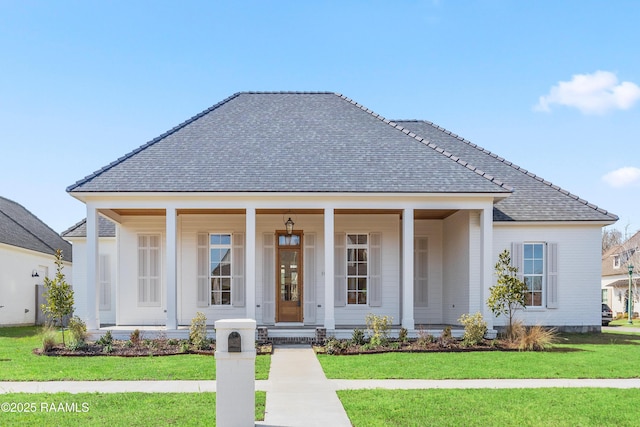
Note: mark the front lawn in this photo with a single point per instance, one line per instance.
(18, 363)
(114, 409)
(576, 356)
(492, 407)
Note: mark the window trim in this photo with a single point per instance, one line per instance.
(543, 275)
(211, 246)
(367, 277)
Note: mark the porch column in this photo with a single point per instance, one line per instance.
(91, 304)
(407, 269)
(486, 277)
(250, 262)
(329, 313)
(172, 294)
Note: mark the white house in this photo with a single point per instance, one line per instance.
(397, 218)
(27, 256)
(615, 275)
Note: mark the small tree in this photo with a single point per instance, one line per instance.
(58, 296)
(508, 294)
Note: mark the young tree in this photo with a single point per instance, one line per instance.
(58, 296)
(508, 294)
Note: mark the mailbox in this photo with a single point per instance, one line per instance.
(234, 342)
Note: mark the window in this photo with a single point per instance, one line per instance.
(357, 268)
(616, 261)
(605, 296)
(149, 270)
(533, 273)
(220, 268)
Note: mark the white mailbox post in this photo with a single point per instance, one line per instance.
(235, 372)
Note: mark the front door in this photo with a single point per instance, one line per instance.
(289, 277)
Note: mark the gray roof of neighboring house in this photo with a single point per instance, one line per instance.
(21, 228)
(106, 228)
(325, 142)
(533, 198)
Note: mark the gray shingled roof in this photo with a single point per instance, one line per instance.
(325, 142)
(21, 228)
(106, 228)
(288, 142)
(533, 198)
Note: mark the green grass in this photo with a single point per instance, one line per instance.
(625, 322)
(492, 407)
(18, 363)
(117, 409)
(577, 356)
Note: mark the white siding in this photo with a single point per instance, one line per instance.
(432, 313)
(579, 270)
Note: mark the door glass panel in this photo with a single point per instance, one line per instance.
(289, 290)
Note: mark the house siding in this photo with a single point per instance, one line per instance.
(456, 271)
(579, 267)
(433, 231)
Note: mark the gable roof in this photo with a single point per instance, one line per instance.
(22, 229)
(106, 228)
(289, 142)
(628, 251)
(533, 198)
(325, 142)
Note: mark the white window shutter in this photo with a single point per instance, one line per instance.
(309, 278)
(105, 282)
(552, 275)
(375, 270)
(517, 255)
(202, 257)
(268, 278)
(237, 260)
(340, 270)
(420, 272)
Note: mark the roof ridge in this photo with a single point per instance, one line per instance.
(516, 167)
(152, 142)
(429, 144)
(73, 227)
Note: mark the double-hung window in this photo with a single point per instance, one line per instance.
(534, 273)
(357, 268)
(220, 250)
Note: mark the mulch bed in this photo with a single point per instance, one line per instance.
(344, 348)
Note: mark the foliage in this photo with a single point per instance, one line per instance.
(78, 331)
(335, 346)
(474, 328)
(357, 337)
(378, 327)
(445, 337)
(48, 338)
(403, 335)
(424, 338)
(106, 339)
(58, 295)
(534, 338)
(198, 331)
(508, 294)
(135, 337)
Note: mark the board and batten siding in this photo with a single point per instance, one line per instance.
(456, 267)
(578, 273)
(430, 311)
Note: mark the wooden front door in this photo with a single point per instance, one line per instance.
(289, 277)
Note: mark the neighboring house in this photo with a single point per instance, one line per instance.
(615, 275)
(400, 218)
(27, 256)
(107, 266)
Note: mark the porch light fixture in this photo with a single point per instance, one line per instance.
(630, 299)
(34, 273)
(289, 225)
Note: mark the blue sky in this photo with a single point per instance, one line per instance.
(552, 86)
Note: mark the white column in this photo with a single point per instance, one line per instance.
(91, 313)
(329, 312)
(407, 269)
(171, 251)
(486, 278)
(250, 262)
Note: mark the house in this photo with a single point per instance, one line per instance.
(615, 275)
(107, 267)
(27, 255)
(308, 210)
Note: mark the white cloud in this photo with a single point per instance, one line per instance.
(596, 93)
(623, 177)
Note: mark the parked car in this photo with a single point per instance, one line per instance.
(607, 315)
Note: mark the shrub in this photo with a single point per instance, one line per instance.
(78, 331)
(105, 340)
(474, 328)
(135, 338)
(424, 338)
(445, 337)
(536, 338)
(378, 327)
(48, 338)
(403, 335)
(357, 338)
(335, 346)
(198, 331)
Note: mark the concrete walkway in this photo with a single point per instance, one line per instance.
(298, 392)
